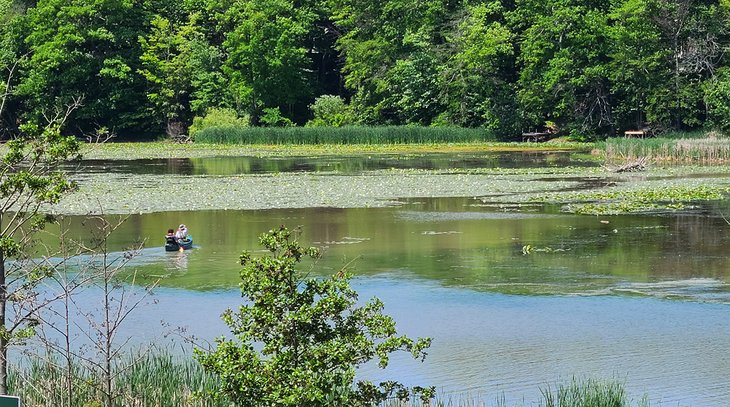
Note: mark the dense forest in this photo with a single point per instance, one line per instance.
(584, 67)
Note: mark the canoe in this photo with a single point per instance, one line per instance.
(172, 245)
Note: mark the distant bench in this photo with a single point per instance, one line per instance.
(535, 137)
(636, 133)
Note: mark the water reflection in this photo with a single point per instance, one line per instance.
(334, 164)
(593, 290)
(454, 242)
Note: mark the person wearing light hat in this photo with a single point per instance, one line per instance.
(182, 232)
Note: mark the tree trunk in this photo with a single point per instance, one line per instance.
(3, 333)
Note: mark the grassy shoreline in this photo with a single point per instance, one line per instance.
(164, 380)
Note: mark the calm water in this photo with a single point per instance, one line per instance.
(514, 300)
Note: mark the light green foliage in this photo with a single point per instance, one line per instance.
(717, 96)
(299, 340)
(166, 64)
(330, 110)
(217, 117)
(271, 117)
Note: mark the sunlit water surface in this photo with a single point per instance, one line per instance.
(515, 298)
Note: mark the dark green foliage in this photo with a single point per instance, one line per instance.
(341, 135)
(586, 68)
(299, 339)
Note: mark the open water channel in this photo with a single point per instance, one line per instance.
(516, 297)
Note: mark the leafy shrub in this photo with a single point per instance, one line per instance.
(299, 340)
(330, 110)
(272, 118)
(217, 117)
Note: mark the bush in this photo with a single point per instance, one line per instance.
(330, 110)
(272, 118)
(216, 117)
(299, 340)
(717, 97)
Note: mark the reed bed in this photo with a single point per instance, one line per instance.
(341, 135)
(701, 150)
(164, 380)
(149, 381)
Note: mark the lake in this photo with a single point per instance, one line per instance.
(516, 297)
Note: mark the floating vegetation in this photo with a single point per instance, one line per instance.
(619, 201)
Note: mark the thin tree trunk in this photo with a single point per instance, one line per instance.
(3, 333)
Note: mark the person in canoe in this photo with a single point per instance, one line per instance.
(178, 240)
(182, 233)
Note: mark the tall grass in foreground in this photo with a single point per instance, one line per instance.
(707, 150)
(162, 380)
(341, 135)
(153, 380)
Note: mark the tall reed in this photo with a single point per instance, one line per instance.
(154, 380)
(341, 135)
(162, 380)
(708, 150)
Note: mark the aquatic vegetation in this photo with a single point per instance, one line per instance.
(130, 151)
(620, 201)
(152, 380)
(707, 150)
(342, 135)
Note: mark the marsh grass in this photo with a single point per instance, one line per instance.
(685, 149)
(341, 135)
(152, 380)
(160, 380)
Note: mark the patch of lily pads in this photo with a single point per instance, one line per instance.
(582, 190)
(643, 199)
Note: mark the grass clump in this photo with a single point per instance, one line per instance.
(709, 149)
(587, 393)
(152, 380)
(341, 135)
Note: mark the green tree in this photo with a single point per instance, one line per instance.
(479, 89)
(267, 64)
(717, 97)
(167, 55)
(392, 57)
(28, 179)
(563, 63)
(299, 340)
(330, 110)
(11, 14)
(85, 48)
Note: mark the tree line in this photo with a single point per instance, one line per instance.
(589, 68)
